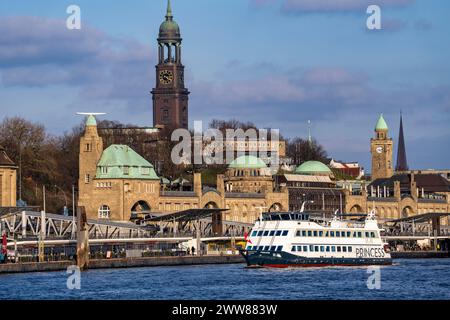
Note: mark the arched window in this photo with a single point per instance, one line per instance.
(104, 212)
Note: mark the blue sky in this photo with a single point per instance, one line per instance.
(277, 63)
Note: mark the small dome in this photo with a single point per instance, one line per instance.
(381, 124)
(312, 168)
(91, 121)
(247, 162)
(169, 29)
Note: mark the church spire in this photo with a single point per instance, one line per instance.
(402, 163)
(169, 15)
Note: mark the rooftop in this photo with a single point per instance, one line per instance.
(247, 162)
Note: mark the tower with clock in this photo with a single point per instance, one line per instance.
(170, 96)
(381, 149)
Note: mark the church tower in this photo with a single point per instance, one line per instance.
(91, 149)
(170, 97)
(402, 162)
(381, 149)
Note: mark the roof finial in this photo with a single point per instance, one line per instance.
(169, 15)
(309, 132)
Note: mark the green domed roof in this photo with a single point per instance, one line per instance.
(381, 124)
(247, 162)
(312, 167)
(91, 121)
(169, 29)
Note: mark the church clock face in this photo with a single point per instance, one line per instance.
(166, 77)
(379, 149)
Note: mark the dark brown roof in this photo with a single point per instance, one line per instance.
(429, 182)
(5, 161)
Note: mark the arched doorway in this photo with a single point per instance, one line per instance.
(407, 212)
(276, 207)
(356, 209)
(216, 223)
(139, 210)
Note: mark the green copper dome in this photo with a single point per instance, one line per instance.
(313, 167)
(381, 124)
(169, 29)
(91, 121)
(247, 162)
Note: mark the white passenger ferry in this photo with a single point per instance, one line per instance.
(299, 239)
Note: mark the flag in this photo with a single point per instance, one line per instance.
(246, 238)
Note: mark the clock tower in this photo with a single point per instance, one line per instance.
(381, 149)
(170, 96)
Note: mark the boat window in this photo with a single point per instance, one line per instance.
(278, 233)
(322, 248)
(349, 234)
(266, 248)
(315, 233)
(331, 233)
(349, 249)
(338, 234)
(304, 233)
(355, 234)
(299, 248)
(333, 248)
(254, 233)
(328, 249)
(305, 248)
(320, 233)
(266, 233)
(260, 233)
(294, 248)
(272, 233)
(316, 248)
(359, 234)
(285, 233)
(279, 248)
(249, 247)
(372, 234)
(366, 234)
(338, 248)
(309, 233)
(326, 234)
(311, 248)
(344, 249)
(272, 248)
(342, 234)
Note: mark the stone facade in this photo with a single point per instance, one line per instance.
(120, 199)
(381, 149)
(8, 180)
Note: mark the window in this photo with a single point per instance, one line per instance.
(298, 233)
(126, 170)
(104, 212)
(272, 233)
(88, 147)
(372, 234)
(338, 248)
(342, 234)
(309, 233)
(104, 170)
(333, 249)
(299, 248)
(349, 234)
(294, 248)
(328, 249)
(304, 233)
(316, 248)
(320, 233)
(145, 171)
(305, 248)
(311, 248)
(249, 247)
(366, 234)
(266, 233)
(315, 233)
(272, 248)
(260, 233)
(285, 233)
(344, 249)
(279, 248)
(331, 233)
(350, 249)
(266, 248)
(254, 233)
(359, 234)
(278, 233)
(322, 248)
(326, 234)
(87, 178)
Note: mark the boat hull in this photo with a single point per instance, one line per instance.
(280, 259)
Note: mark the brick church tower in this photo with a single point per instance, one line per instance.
(170, 97)
(381, 149)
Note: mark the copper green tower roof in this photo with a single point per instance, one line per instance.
(381, 124)
(247, 162)
(169, 29)
(122, 162)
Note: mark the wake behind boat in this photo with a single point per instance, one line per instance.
(298, 239)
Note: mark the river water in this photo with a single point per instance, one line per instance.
(406, 279)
